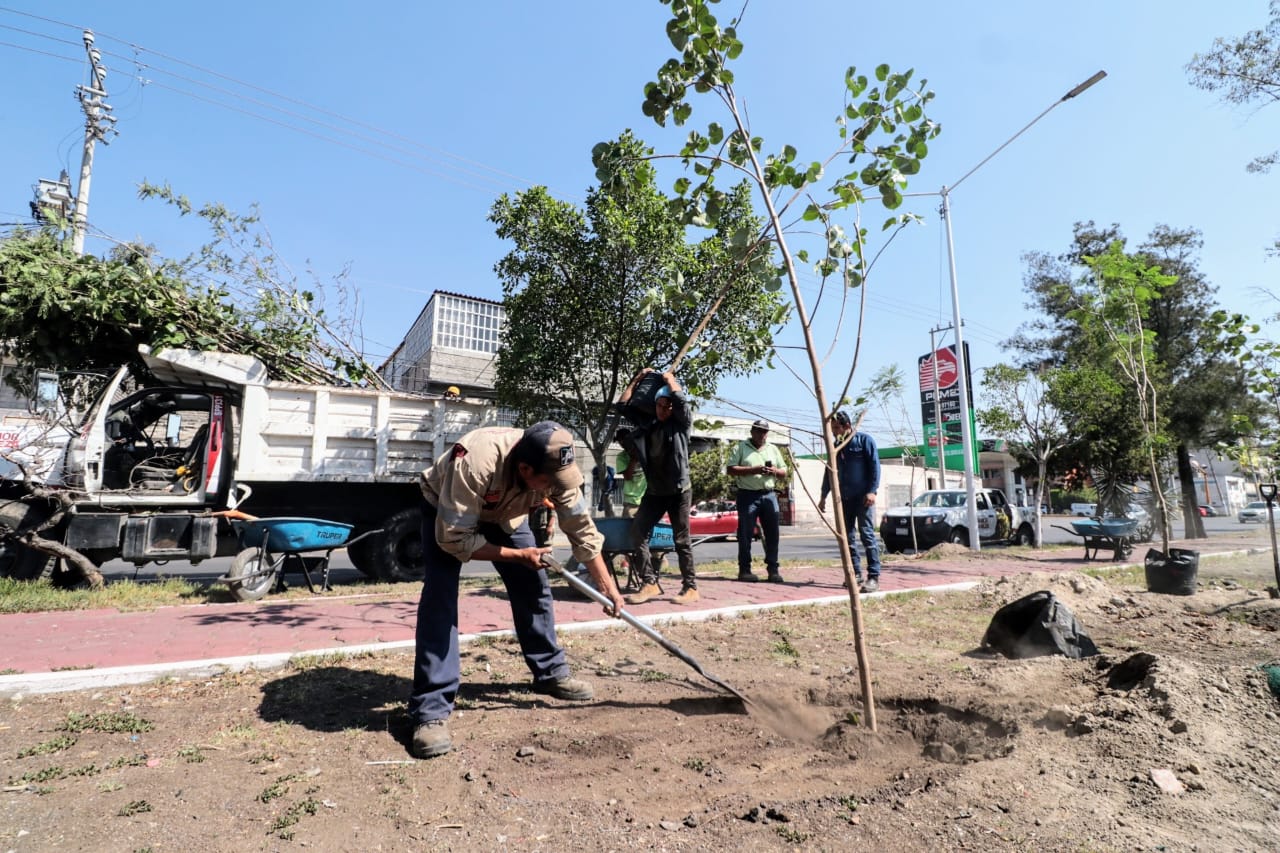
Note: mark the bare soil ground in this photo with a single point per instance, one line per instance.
(972, 751)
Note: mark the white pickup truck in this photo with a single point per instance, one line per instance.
(146, 468)
(941, 516)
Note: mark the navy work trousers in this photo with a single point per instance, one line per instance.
(860, 519)
(436, 670)
(753, 506)
(652, 508)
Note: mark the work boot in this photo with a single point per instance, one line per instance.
(775, 577)
(431, 739)
(747, 577)
(871, 585)
(688, 595)
(569, 689)
(648, 591)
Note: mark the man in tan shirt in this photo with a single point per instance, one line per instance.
(477, 499)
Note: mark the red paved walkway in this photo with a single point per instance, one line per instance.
(97, 639)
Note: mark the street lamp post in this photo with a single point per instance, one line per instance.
(966, 433)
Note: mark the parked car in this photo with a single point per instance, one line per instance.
(1208, 510)
(1254, 511)
(715, 518)
(1084, 509)
(709, 519)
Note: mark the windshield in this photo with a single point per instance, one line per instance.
(1257, 505)
(940, 499)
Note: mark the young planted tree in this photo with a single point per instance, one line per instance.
(1115, 309)
(1022, 414)
(594, 295)
(882, 137)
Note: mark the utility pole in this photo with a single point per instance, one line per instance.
(940, 435)
(98, 122)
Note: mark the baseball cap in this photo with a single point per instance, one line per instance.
(664, 391)
(548, 448)
(761, 424)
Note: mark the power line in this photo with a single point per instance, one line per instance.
(503, 180)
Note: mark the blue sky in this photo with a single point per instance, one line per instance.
(390, 131)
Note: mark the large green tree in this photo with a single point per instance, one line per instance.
(1204, 387)
(593, 295)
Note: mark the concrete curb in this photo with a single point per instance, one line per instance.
(15, 687)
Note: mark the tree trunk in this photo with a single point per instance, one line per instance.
(1192, 523)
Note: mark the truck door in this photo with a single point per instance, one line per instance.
(986, 517)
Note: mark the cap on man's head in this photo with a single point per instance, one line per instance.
(664, 391)
(761, 425)
(842, 417)
(547, 447)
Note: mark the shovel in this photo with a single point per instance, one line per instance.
(588, 590)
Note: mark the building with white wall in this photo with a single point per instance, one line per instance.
(454, 341)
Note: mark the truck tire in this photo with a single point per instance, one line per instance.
(21, 563)
(250, 561)
(17, 561)
(1025, 536)
(395, 554)
(361, 556)
(959, 536)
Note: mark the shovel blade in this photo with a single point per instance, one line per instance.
(591, 592)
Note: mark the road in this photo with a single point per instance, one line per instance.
(806, 545)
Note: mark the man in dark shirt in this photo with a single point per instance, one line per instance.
(660, 444)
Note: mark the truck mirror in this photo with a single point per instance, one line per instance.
(45, 398)
(173, 430)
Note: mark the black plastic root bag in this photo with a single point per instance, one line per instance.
(1174, 574)
(1035, 625)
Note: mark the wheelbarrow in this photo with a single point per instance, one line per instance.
(1104, 534)
(270, 547)
(617, 548)
(617, 551)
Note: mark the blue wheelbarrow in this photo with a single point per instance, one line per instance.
(272, 546)
(617, 548)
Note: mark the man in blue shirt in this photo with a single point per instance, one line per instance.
(858, 467)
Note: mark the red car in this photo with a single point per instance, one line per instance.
(715, 518)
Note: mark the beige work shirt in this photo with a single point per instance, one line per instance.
(476, 482)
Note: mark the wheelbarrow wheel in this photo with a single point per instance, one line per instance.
(243, 578)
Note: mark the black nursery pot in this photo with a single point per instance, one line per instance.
(1173, 573)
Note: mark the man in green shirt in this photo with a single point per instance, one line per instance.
(633, 480)
(757, 467)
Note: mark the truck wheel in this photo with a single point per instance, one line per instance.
(21, 563)
(17, 561)
(248, 562)
(959, 536)
(361, 556)
(1026, 536)
(396, 553)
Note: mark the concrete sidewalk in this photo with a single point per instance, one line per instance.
(87, 649)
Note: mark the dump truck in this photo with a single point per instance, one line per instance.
(150, 469)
